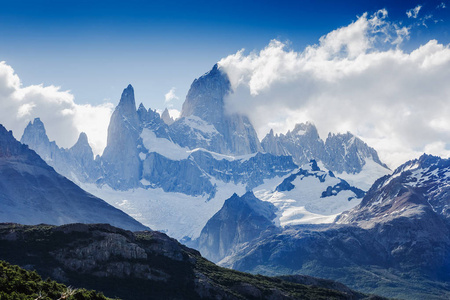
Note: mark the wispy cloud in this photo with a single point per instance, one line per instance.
(413, 12)
(170, 96)
(356, 79)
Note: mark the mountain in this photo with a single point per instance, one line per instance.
(308, 195)
(302, 143)
(144, 172)
(167, 118)
(240, 220)
(31, 192)
(395, 242)
(76, 163)
(417, 187)
(120, 159)
(163, 173)
(205, 100)
(146, 265)
(345, 154)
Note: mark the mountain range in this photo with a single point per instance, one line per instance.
(196, 162)
(396, 240)
(289, 204)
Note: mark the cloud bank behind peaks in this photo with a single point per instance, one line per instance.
(63, 118)
(355, 79)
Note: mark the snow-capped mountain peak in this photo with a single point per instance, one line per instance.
(418, 186)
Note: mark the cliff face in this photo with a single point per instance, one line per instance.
(143, 265)
(205, 100)
(240, 220)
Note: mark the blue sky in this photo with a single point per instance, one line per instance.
(95, 48)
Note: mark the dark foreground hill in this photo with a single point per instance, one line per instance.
(145, 265)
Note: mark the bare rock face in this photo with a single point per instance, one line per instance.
(167, 118)
(121, 157)
(205, 100)
(339, 153)
(302, 143)
(240, 220)
(347, 153)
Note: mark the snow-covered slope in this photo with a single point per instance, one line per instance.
(178, 215)
(414, 188)
(310, 195)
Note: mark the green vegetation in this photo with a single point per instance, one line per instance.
(17, 283)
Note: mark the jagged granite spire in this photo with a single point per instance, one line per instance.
(35, 136)
(206, 95)
(35, 133)
(348, 153)
(205, 100)
(303, 143)
(166, 117)
(120, 157)
(82, 152)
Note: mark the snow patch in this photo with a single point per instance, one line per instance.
(200, 125)
(163, 146)
(303, 204)
(363, 180)
(218, 156)
(145, 182)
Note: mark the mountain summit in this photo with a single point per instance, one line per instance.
(206, 100)
(120, 157)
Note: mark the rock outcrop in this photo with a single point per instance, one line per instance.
(240, 220)
(120, 159)
(205, 100)
(339, 153)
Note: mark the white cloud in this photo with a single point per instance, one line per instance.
(413, 12)
(170, 96)
(357, 79)
(63, 118)
(174, 113)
